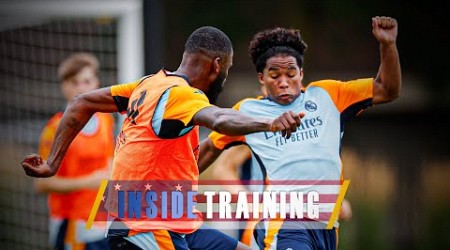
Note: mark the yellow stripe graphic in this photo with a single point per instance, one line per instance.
(98, 199)
(337, 206)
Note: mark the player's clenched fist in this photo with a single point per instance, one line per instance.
(36, 167)
(287, 123)
(384, 29)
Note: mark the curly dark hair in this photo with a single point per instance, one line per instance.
(271, 42)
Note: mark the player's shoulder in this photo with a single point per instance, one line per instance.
(139, 81)
(186, 93)
(174, 75)
(150, 79)
(329, 83)
(323, 83)
(185, 90)
(247, 100)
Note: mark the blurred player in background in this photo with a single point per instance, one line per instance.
(72, 191)
(313, 153)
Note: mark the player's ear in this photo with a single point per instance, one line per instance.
(261, 78)
(216, 65)
(214, 69)
(263, 84)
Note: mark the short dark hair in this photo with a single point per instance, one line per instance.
(271, 42)
(210, 41)
(73, 64)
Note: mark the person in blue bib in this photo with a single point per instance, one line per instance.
(310, 154)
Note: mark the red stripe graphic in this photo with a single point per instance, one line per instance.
(323, 216)
(270, 182)
(323, 198)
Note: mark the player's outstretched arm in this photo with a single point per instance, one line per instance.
(232, 122)
(56, 184)
(387, 83)
(227, 166)
(77, 114)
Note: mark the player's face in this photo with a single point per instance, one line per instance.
(85, 81)
(282, 79)
(217, 85)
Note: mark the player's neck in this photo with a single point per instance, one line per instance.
(195, 67)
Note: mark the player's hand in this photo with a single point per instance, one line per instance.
(385, 29)
(34, 166)
(287, 123)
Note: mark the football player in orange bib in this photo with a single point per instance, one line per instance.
(159, 138)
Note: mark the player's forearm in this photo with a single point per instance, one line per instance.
(222, 173)
(74, 119)
(227, 167)
(59, 185)
(77, 114)
(389, 74)
(231, 122)
(208, 154)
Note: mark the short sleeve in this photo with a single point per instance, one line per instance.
(349, 94)
(221, 141)
(121, 94)
(175, 109)
(183, 103)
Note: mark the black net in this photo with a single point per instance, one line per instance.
(30, 95)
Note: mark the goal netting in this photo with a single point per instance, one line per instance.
(30, 50)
